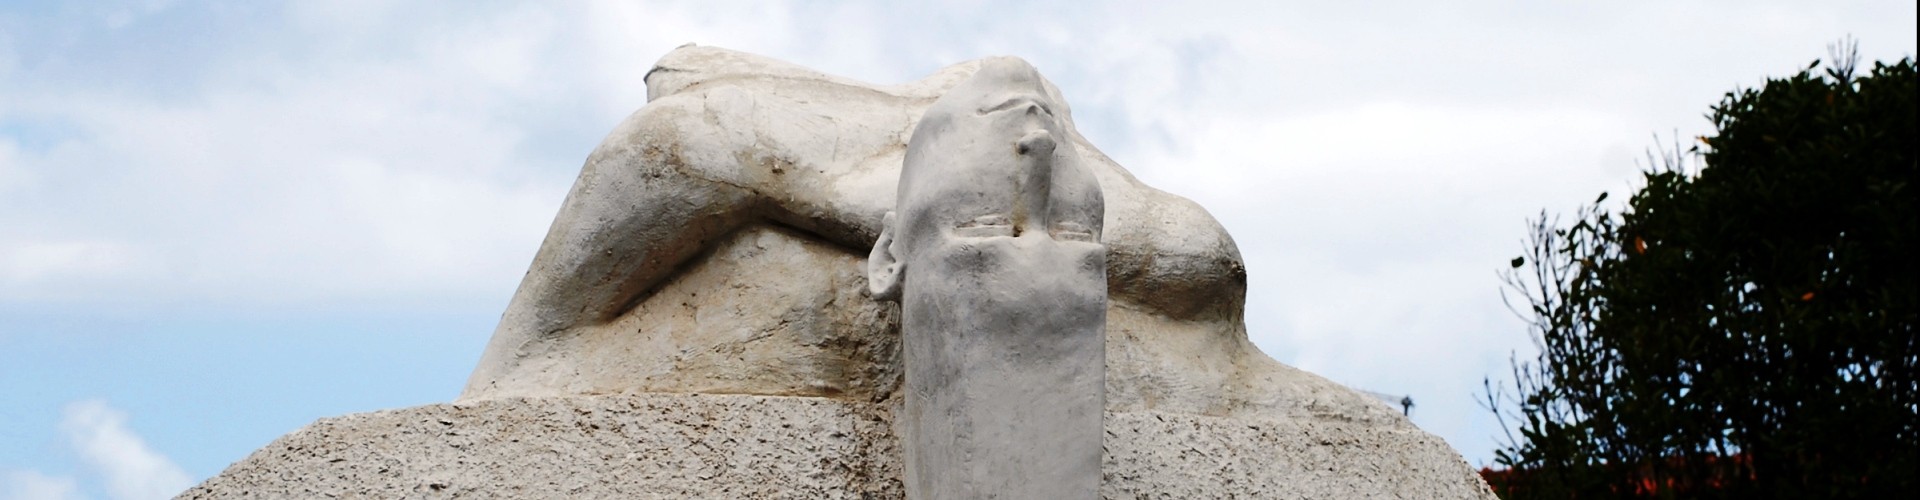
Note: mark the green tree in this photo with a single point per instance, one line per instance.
(1744, 329)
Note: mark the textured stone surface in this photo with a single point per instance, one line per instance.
(722, 326)
(734, 446)
(653, 446)
(993, 252)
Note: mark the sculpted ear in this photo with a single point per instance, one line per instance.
(884, 269)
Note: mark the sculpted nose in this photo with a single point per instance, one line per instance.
(1035, 150)
(1035, 143)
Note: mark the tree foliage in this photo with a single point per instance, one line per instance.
(1745, 329)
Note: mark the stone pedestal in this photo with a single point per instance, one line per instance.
(714, 446)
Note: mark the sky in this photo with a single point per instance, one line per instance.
(221, 220)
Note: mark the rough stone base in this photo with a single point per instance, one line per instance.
(729, 446)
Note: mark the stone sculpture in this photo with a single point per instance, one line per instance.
(714, 243)
(993, 252)
(700, 322)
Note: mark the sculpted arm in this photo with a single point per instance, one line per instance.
(681, 173)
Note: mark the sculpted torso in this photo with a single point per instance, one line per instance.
(715, 242)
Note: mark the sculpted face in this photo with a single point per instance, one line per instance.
(994, 255)
(985, 168)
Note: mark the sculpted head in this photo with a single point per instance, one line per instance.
(994, 254)
(991, 160)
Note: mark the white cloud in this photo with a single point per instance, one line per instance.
(111, 452)
(295, 181)
(130, 469)
(40, 269)
(32, 485)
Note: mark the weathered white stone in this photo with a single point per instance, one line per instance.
(733, 446)
(993, 252)
(643, 446)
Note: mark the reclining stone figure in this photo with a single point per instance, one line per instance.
(714, 243)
